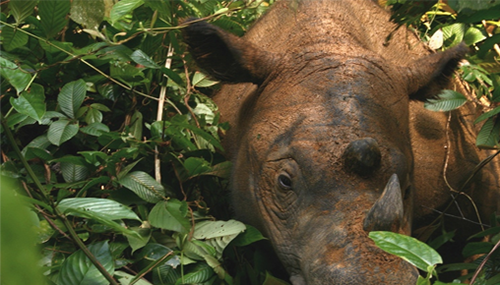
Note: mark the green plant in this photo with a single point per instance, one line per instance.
(112, 141)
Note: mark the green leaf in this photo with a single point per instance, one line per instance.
(140, 240)
(62, 130)
(473, 35)
(95, 129)
(473, 248)
(125, 279)
(170, 215)
(487, 115)
(72, 172)
(53, 16)
(13, 38)
(21, 9)
(31, 103)
(218, 234)
(172, 75)
(448, 100)
(94, 157)
(271, 280)
(71, 97)
(93, 116)
(122, 8)
(196, 166)
(423, 281)
(144, 186)
(143, 59)
(410, 249)
(249, 236)
(201, 273)
(453, 34)
(136, 125)
(78, 269)
(202, 80)
(16, 76)
(89, 16)
(106, 207)
(100, 107)
(489, 135)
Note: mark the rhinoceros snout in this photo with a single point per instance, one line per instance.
(362, 156)
(387, 214)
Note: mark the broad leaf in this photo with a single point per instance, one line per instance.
(13, 38)
(95, 129)
(250, 235)
(143, 59)
(71, 97)
(53, 16)
(201, 273)
(89, 16)
(144, 186)
(487, 115)
(17, 77)
(122, 8)
(72, 172)
(110, 208)
(410, 249)
(202, 80)
(140, 240)
(218, 234)
(62, 130)
(31, 103)
(125, 278)
(170, 215)
(489, 135)
(448, 100)
(21, 9)
(93, 116)
(78, 269)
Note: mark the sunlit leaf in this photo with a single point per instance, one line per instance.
(410, 249)
(170, 215)
(122, 8)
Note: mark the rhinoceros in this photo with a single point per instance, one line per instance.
(329, 137)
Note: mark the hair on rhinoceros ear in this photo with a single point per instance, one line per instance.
(225, 56)
(429, 75)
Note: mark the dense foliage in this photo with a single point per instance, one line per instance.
(109, 138)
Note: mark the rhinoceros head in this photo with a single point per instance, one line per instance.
(321, 149)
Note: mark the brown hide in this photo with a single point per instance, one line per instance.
(325, 122)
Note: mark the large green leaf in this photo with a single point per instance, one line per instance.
(31, 103)
(250, 235)
(170, 215)
(448, 100)
(410, 249)
(110, 208)
(89, 16)
(62, 130)
(218, 234)
(17, 77)
(71, 97)
(489, 135)
(143, 59)
(201, 273)
(95, 129)
(78, 269)
(13, 38)
(145, 186)
(122, 8)
(21, 9)
(72, 172)
(487, 115)
(53, 16)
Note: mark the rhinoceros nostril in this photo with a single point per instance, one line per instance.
(362, 156)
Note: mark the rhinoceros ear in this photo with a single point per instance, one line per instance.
(225, 56)
(429, 75)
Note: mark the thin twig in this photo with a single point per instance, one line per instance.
(476, 273)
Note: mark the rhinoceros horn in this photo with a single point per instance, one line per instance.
(387, 213)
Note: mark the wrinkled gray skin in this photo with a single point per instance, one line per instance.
(329, 138)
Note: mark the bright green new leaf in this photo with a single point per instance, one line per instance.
(170, 215)
(473, 35)
(21, 9)
(448, 100)
(145, 186)
(16, 76)
(143, 59)
(71, 97)
(454, 34)
(202, 80)
(110, 208)
(62, 130)
(122, 8)
(13, 38)
(410, 249)
(53, 16)
(78, 269)
(31, 102)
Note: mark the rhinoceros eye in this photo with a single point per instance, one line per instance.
(285, 182)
